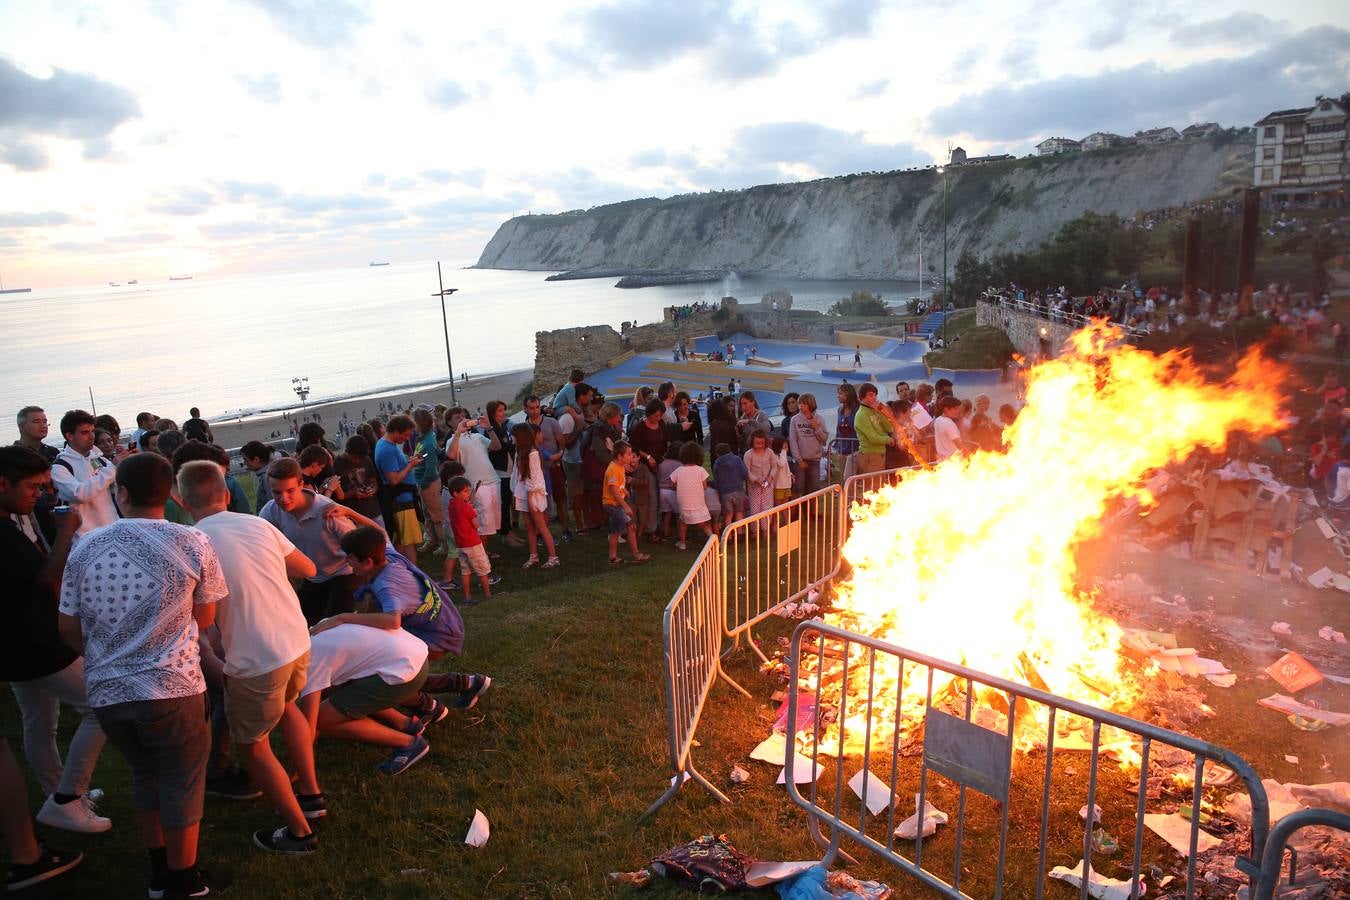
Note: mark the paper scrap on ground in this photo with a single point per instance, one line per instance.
(1293, 673)
(1291, 759)
(932, 818)
(1177, 832)
(479, 829)
(739, 775)
(1096, 814)
(763, 873)
(1327, 633)
(1281, 628)
(1281, 703)
(878, 797)
(801, 770)
(773, 749)
(1099, 885)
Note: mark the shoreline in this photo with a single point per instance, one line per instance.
(235, 431)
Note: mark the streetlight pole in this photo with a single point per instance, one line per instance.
(445, 327)
(945, 292)
(301, 387)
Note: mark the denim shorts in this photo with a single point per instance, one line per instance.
(618, 519)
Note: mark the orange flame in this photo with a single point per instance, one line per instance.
(973, 561)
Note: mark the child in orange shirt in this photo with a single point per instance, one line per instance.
(614, 497)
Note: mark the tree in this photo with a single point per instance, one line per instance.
(972, 276)
(859, 303)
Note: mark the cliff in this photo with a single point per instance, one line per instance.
(868, 226)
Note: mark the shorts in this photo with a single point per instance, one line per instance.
(166, 743)
(713, 501)
(254, 703)
(618, 519)
(358, 699)
(668, 504)
(475, 559)
(538, 502)
(698, 516)
(782, 495)
(406, 529)
(572, 471)
(487, 502)
(735, 503)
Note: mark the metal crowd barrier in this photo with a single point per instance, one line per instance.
(858, 486)
(780, 555)
(691, 647)
(1272, 863)
(1004, 805)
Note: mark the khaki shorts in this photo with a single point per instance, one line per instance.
(253, 705)
(406, 529)
(475, 559)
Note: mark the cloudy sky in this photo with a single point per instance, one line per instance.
(146, 138)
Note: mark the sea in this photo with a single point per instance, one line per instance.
(235, 345)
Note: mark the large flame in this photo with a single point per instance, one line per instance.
(973, 561)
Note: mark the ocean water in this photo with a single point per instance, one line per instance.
(233, 344)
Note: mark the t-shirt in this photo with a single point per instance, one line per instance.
(664, 471)
(430, 469)
(464, 523)
(689, 482)
(133, 585)
(348, 652)
(428, 611)
(357, 477)
(567, 396)
(729, 474)
(30, 644)
(946, 436)
(651, 441)
(614, 490)
(261, 625)
(317, 536)
(550, 436)
(197, 430)
(473, 456)
(391, 460)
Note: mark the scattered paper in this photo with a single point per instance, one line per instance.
(1177, 832)
(479, 829)
(878, 797)
(806, 712)
(932, 818)
(1281, 628)
(681, 778)
(801, 770)
(1327, 529)
(1327, 633)
(1096, 814)
(1099, 885)
(1322, 578)
(762, 874)
(1291, 759)
(1228, 679)
(1294, 673)
(773, 749)
(1281, 703)
(739, 775)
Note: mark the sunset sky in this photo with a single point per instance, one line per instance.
(149, 139)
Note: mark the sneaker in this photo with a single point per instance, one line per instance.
(415, 727)
(314, 806)
(77, 815)
(567, 536)
(477, 687)
(494, 579)
(553, 563)
(681, 545)
(451, 585)
(433, 713)
(622, 539)
(404, 757)
(232, 784)
(441, 550)
(197, 883)
(282, 841)
(50, 864)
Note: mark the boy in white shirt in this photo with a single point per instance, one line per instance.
(946, 431)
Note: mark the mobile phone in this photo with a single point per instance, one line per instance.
(60, 510)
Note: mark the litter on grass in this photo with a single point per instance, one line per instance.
(1294, 673)
(1327, 633)
(1099, 885)
(1177, 832)
(479, 830)
(873, 791)
(932, 818)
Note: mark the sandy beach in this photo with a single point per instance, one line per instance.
(473, 394)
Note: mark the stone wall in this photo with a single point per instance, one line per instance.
(557, 353)
(1026, 331)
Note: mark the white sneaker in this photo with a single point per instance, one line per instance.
(77, 815)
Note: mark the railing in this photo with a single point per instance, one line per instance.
(958, 755)
(775, 557)
(1272, 862)
(691, 646)
(1076, 320)
(857, 487)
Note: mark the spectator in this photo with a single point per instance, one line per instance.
(688, 423)
(722, 423)
(256, 456)
(752, 419)
(198, 429)
(33, 428)
(808, 437)
(463, 522)
(398, 485)
(874, 429)
(502, 454)
(569, 394)
(648, 439)
(193, 451)
(393, 585)
(946, 431)
(761, 466)
(530, 492)
(782, 477)
(729, 475)
(106, 444)
(42, 669)
(572, 424)
(473, 450)
(846, 440)
(689, 480)
(549, 439)
(427, 475)
(666, 488)
(597, 451)
(142, 665)
(144, 422)
(358, 480)
(82, 475)
(618, 513)
(266, 644)
(148, 442)
(109, 424)
(784, 427)
(637, 409)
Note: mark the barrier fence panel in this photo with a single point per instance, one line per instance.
(691, 644)
(955, 739)
(780, 555)
(858, 486)
(1272, 863)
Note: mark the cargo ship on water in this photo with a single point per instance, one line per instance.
(5, 290)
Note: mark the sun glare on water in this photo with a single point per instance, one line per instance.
(973, 561)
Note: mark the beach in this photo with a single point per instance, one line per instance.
(473, 394)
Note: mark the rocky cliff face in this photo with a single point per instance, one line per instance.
(869, 226)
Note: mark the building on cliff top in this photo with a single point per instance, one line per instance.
(1162, 135)
(1303, 151)
(1199, 130)
(1051, 146)
(1100, 140)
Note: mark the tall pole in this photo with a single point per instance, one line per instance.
(445, 327)
(92, 408)
(945, 298)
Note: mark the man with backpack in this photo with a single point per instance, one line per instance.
(83, 476)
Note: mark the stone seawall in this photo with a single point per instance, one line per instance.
(1030, 334)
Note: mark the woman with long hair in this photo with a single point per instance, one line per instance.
(531, 495)
(845, 438)
(503, 462)
(426, 444)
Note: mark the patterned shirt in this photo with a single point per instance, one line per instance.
(133, 585)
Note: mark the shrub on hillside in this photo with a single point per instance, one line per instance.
(860, 303)
(980, 347)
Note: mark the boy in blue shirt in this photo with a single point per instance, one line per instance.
(729, 476)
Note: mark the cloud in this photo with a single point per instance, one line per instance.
(320, 24)
(1232, 89)
(447, 94)
(265, 88)
(34, 219)
(375, 179)
(313, 204)
(224, 231)
(68, 105)
(871, 88)
(239, 191)
(827, 151)
(182, 201)
(459, 206)
(1240, 29)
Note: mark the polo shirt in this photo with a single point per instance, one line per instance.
(314, 534)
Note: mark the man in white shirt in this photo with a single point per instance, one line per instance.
(946, 432)
(266, 644)
(83, 475)
(470, 449)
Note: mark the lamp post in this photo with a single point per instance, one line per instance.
(301, 387)
(445, 327)
(945, 298)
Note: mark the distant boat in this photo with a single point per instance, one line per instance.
(113, 284)
(133, 281)
(180, 277)
(379, 264)
(5, 290)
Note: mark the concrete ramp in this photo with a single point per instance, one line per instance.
(899, 350)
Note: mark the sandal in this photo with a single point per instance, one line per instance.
(641, 557)
(553, 563)
(615, 561)
(531, 562)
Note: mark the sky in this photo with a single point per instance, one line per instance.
(150, 138)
